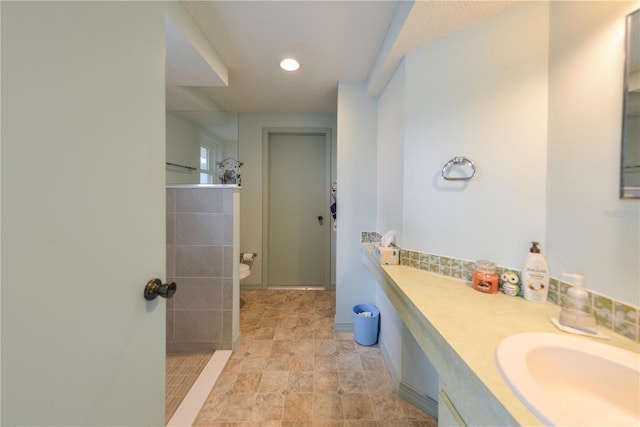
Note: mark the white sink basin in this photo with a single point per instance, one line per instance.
(571, 381)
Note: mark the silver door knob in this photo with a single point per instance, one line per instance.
(155, 287)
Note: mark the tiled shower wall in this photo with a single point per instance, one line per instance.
(200, 260)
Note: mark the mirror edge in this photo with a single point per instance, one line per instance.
(626, 192)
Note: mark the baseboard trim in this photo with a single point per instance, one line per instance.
(394, 375)
(236, 343)
(407, 391)
(343, 327)
(418, 398)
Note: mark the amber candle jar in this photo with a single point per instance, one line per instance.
(485, 278)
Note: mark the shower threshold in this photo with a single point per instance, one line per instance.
(297, 288)
(195, 398)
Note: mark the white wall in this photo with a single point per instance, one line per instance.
(184, 139)
(534, 97)
(590, 230)
(390, 161)
(480, 93)
(250, 153)
(183, 148)
(183, 20)
(356, 198)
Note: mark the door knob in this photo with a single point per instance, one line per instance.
(155, 287)
(320, 218)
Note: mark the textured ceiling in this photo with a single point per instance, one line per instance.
(334, 41)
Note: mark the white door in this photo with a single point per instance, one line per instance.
(298, 204)
(83, 213)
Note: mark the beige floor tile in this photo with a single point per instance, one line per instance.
(225, 383)
(357, 406)
(372, 362)
(325, 382)
(298, 407)
(263, 332)
(386, 406)
(324, 346)
(254, 363)
(303, 346)
(348, 362)
(293, 370)
(304, 321)
(328, 424)
(269, 407)
(278, 362)
(361, 423)
(325, 362)
(269, 323)
(303, 332)
(282, 346)
(274, 382)
(247, 382)
(300, 382)
(210, 412)
(379, 382)
(410, 412)
(327, 406)
(297, 424)
(238, 407)
(301, 363)
(254, 347)
(353, 382)
(289, 322)
(284, 333)
(343, 346)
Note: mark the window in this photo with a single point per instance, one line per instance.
(206, 174)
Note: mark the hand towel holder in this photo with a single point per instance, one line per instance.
(458, 160)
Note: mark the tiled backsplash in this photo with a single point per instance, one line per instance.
(614, 315)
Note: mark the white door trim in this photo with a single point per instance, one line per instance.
(266, 133)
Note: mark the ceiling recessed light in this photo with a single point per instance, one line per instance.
(289, 64)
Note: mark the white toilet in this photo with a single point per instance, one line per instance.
(246, 261)
(245, 271)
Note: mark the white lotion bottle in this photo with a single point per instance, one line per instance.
(535, 275)
(575, 311)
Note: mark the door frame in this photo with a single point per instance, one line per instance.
(266, 135)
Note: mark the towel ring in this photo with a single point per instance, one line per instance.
(460, 160)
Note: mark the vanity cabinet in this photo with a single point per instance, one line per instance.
(448, 415)
(463, 397)
(464, 400)
(458, 329)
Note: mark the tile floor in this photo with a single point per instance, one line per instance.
(292, 369)
(182, 369)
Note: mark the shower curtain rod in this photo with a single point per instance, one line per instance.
(189, 168)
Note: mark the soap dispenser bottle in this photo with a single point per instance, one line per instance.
(535, 275)
(574, 312)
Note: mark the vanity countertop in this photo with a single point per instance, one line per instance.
(472, 323)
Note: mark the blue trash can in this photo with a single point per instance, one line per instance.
(365, 326)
